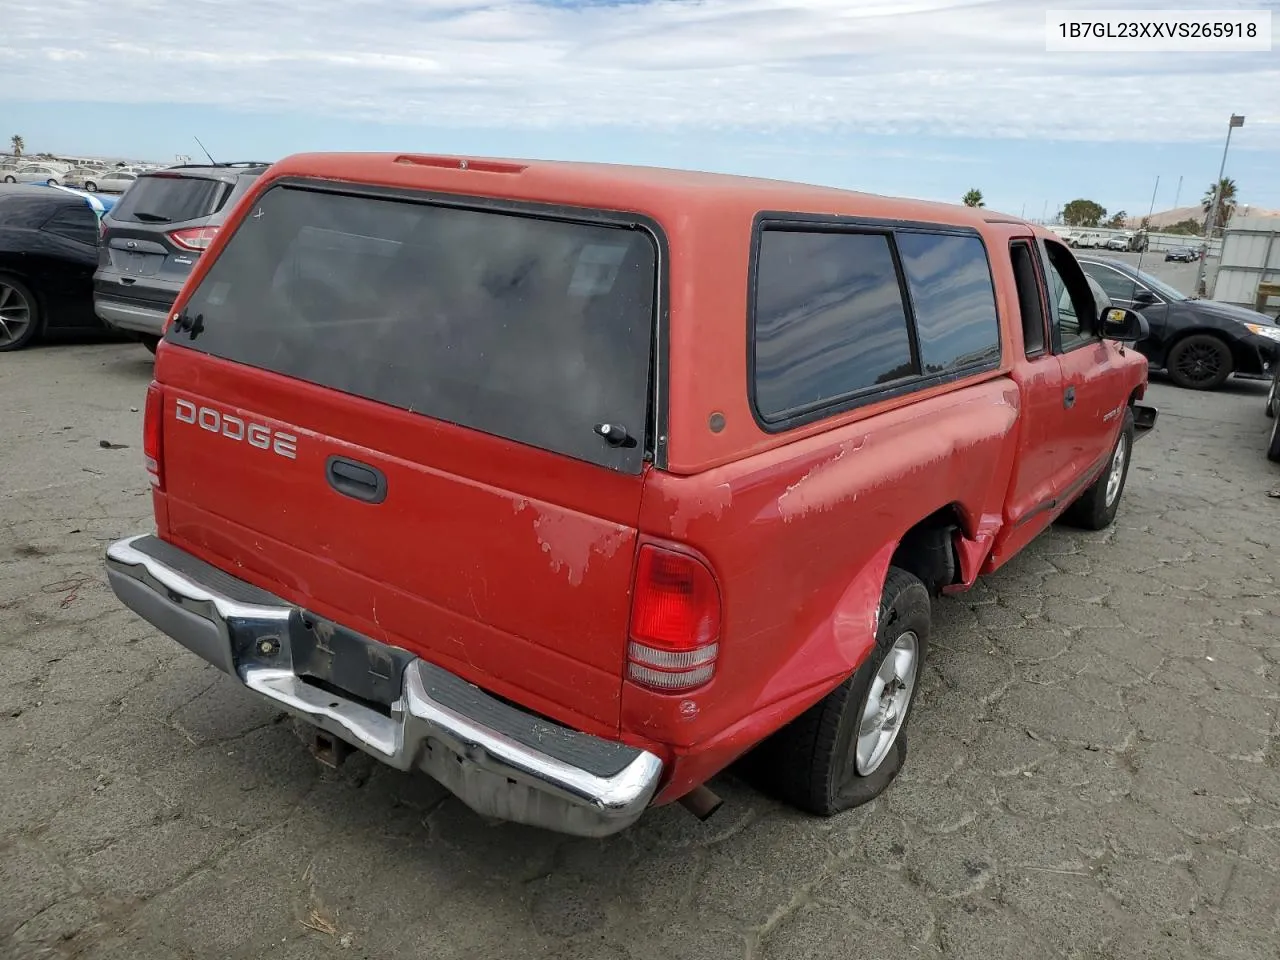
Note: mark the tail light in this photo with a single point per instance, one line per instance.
(675, 621)
(153, 434)
(194, 238)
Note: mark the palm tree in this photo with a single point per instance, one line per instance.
(1226, 206)
(18, 144)
(973, 198)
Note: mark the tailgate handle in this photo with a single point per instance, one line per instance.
(351, 478)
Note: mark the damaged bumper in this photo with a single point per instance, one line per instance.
(412, 715)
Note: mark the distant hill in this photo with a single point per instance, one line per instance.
(1166, 218)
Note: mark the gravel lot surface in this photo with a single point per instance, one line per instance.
(1094, 765)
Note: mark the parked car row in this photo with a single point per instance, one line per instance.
(91, 177)
(78, 260)
(1132, 241)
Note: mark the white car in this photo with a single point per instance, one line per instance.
(112, 181)
(34, 173)
(76, 176)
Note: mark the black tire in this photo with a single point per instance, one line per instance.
(1094, 510)
(1199, 362)
(150, 341)
(1273, 395)
(1273, 443)
(13, 291)
(812, 763)
(10, 179)
(91, 186)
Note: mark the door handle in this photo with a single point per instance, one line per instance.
(1069, 397)
(357, 480)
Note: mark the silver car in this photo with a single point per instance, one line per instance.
(112, 181)
(76, 176)
(34, 173)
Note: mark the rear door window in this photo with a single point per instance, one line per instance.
(829, 320)
(1030, 302)
(74, 222)
(954, 300)
(531, 329)
(837, 321)
(170, 199)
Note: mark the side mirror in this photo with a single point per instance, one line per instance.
(1144, 297)
(1125, 326)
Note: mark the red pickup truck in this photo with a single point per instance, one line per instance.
(571, 484)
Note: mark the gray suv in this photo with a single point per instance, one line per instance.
(153, 236)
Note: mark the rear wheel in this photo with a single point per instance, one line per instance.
(1097, 506)
(1273, 444)
(91, 186)
(19, 314)
(847, 748)
(1200, 362)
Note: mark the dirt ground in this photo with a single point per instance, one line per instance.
(1094, 767)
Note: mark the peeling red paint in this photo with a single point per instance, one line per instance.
(570, 540)
(821, 488)
(712, 503)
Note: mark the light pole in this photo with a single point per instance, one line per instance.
(1212, 220)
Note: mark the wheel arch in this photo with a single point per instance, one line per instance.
(927, 549)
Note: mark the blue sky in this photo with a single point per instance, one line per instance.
(921, 98)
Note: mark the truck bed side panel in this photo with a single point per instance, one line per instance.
(801, 537)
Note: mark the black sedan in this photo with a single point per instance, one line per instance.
(1181, 255)
(48, 252)
(1199, 343)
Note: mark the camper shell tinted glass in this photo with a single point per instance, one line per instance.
(528, 327)
(844, 312)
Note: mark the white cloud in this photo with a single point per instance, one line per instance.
(946, 67)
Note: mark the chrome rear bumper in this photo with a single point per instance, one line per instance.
(498, 759)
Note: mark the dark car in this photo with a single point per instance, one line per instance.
(1181, 255)
(1199, 343)
(48, 251)
(153, 237)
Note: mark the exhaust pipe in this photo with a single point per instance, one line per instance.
(701, 801)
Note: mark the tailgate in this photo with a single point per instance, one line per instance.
(388, 412)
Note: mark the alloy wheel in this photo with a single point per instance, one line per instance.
(1116, 475)
(1199, 363)
(888, 699)
(15, 314)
